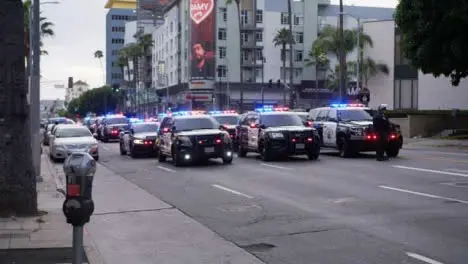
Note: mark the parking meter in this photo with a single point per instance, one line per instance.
(78, 206)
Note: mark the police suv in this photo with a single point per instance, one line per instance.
(348, 128)
(228, 119)
(193, 136)
(139, 139)
(110, 127)
(276, 132)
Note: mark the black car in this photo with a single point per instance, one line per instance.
(229, 120)
(276, 134)
(110, 127)
(192, 138)
(139, 139)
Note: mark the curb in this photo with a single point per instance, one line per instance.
(58, 184)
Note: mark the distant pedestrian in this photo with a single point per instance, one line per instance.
(382, 129)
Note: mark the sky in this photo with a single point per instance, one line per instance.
(80, 31)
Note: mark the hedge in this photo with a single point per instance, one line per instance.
(405, 113)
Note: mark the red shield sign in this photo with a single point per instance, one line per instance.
(200, 10)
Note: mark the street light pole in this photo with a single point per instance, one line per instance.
(263, 80)
(342, 54)
(35, 83)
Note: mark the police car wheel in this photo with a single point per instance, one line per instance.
(313, 156)
(393, 152)
(265, 154)
(345, 149)
(241, 151)
(176, 159)
(227, 160)
(161, 157)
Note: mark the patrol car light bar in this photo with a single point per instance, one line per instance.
(346, 105)
(270, 108)
(223, 112)
(186, 113)
(135, 120)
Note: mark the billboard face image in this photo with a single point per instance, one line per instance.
(202, 40)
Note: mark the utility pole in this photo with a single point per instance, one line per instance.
(263, 80)
(342, 55)
(35, 83)
(291, 54)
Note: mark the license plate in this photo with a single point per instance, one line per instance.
(209, 150)
(300, 146)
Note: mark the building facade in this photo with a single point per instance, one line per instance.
(406, 87)
(260, 59)
(76, 90)
(115, 34)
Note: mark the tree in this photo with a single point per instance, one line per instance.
(318, 58)
(239, 21)
(98, 100)
(283, 37)
(17, 179)
(333, 76)
(329, 42)
(434, 36)
(46, 28)
(98, 54)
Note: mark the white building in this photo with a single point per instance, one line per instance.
(261, 20)
(406, 87)
(76, 91)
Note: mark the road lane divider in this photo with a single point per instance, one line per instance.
(423, 194)
(431, 171)
(458, 170)
(422, 258)
(231, 191)
(166, 169)
(275, 166)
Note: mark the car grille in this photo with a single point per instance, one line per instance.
(150, 138)
(77, 146)
(299, 135)
(206, 140)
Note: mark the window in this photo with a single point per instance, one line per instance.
(259, 36)
(297, 72)
(298, 20)
(298, 56)
(172, 27)
(245, 55)
(400, 58)
(244, 17)
(258, 72)
(222, 70)
(284, 19)
(259, 54)
(244, 37)
(223, 12)
(222, 52)
(299, 37)
(259, 16)
(406, 94)
(117, 41)
(222, 34)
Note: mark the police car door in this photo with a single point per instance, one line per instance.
(252, 131)
(165, 135)
(329, 128)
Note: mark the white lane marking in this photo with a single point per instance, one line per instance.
(423, 194)
(422, 258)
(431, 171)
(166, 169)
(231, 191)
(457, 170)
(275, 166)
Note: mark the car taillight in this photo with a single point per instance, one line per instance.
(148, 142)
(115, 131)
(309, 123)
(218, 141)
(371, 137)
(309, 139)
(393, 136)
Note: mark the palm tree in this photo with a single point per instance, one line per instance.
(370, 68)
(144, 42)
(98, 54)
(318, 58)
(237, 2)
(283, 37)
(18, 194)
(333, 75)
(46, 28)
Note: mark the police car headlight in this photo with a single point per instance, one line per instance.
(184, 141)
(138, 141)
(276, 135)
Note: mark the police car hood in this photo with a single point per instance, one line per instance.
(359, 123)
(76, 140)
(116, 125)
(144, 135)
(200, 132)
(288, 128)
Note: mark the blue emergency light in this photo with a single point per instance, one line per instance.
(187, 113)
(135, 120)
(346, 105)
(223, 112)
(270, 108)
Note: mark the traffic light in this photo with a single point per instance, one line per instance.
(270, 83)
(278, 83)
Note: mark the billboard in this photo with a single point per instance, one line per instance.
(202, 44)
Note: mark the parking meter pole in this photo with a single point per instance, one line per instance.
(77, 244)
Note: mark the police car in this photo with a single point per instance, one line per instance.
(193, 136)
(348, 128)
(228, 119)
(139, 139)
(276, 132)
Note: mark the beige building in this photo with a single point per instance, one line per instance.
(78, 89)
(406, 87)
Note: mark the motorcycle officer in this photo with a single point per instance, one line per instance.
(381, 128)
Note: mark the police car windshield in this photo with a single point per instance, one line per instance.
(272, 120)
(144, 128)
(354, 115)
(187, 124)
(227, 120)
(73, 132)
(116, 120)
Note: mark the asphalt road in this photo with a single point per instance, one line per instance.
(412, 209)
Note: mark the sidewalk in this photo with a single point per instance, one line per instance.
(131, 226)
(424, 143)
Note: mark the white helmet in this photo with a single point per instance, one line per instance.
(382, 107)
